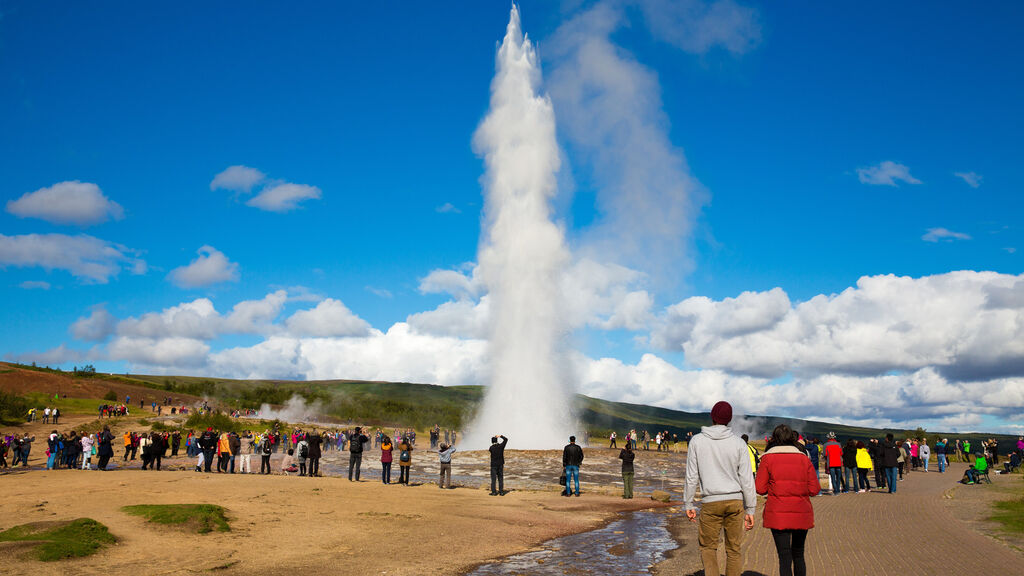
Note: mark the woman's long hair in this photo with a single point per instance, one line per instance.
(785, 436)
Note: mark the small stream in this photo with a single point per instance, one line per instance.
(626, 547)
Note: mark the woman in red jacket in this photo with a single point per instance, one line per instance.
(789, 481)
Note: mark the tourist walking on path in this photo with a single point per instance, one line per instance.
(497, 450)
(404, 460)
(925, 453)
(627, 456)
(386, 457)
(788, 480)
(719, 464)
(444, 454)
(355, 452)
(572, 459)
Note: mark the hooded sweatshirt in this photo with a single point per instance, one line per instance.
(718, 462)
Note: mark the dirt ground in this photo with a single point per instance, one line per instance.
(314, 525)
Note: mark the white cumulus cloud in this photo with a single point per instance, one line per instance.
(887, 173)
(330, 318)
(271, 195)
(283, 197)
(237, 179)
(72, 202)
(86, 257)
(210, 267)
(939, 234)
(95, 327)
(885, 324)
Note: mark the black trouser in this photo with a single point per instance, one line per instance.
(174, 448)
(102, 464)
(498, 475)
(385, 472)
(302, 469)
(355, 461)
(207, 458)
(156, 460)
(879, 475)
(265, 464)
(222, 461)
(314, 465)
(146, 461)
(403, 474)
(790, 546)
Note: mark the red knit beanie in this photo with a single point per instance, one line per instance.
(721, 413)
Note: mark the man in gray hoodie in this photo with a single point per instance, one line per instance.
(719, 463)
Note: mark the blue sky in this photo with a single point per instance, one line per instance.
(791, 117)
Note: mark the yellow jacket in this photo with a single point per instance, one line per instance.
(752, 452)
(864, 459)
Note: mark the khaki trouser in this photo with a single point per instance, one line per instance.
(627, 484)
(715, 517)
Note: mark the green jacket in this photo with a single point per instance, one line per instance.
(980, 464)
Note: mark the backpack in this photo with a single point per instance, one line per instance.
(304, 451)
(405, 456)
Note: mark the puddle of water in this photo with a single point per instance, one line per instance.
(626, 547)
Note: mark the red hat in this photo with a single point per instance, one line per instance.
(721, 413)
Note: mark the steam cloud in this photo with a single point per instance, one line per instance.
(295, 410)
(522, 257)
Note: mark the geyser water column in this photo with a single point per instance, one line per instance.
(522, 257)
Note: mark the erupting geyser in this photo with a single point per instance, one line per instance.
(522, 257)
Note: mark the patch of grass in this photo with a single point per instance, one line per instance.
(66, 405)
(201, 517)
(13, 408)
(74, 539)
(1010, 513)
(217, 420)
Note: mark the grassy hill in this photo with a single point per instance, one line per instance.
(404, 404)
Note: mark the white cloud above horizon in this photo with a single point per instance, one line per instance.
(35, 285)
(271, 196)
(973, 179)
(90, 259)
(71, 202)
(283, 197)
(889, 351)
(237, 179)
(887, 173)
(210, 267)
(447, 208)
(942, 234)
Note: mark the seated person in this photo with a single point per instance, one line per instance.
(980, 466)
(288, 463)
(1013, 463)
